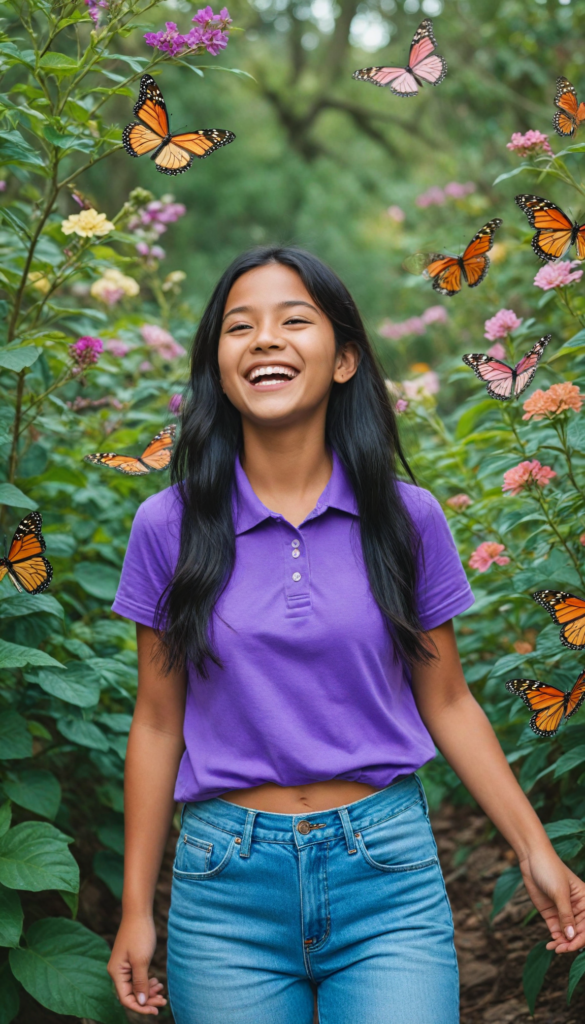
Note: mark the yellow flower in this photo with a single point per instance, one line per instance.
(86, 224)
(113, 286)
(173, 280)
(499, 252)
(39, 281)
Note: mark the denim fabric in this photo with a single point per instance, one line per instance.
(263, 911)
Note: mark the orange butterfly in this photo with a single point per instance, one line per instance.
(172, 154)
(570, 114)
(24, 563)
(550, 705)
(448, 272)
(555, 233)
(567, 611)
(156, 456)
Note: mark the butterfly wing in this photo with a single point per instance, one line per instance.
(554, 230)
(474, 260)
(444, 272)
(424, 64)
(171, 159)
(498, 376)
(526, 368)
(565, 120)
(577, 696)
(126, 464)
(580, 242)
(400, 81)
(26, 567)
(151, 108)
(139, 140)
(204, 142)
(157, 455)
(547, 703)
(567, 611)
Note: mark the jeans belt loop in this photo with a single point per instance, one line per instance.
(247, 834)
(347, 829)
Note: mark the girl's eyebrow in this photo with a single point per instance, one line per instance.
(280, 305)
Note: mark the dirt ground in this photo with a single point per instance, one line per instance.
(491, 954)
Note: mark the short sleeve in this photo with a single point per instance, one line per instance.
(149, 560)
(443, 589)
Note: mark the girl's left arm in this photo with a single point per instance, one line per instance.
(463, 734)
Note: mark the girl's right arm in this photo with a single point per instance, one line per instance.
(155, 747)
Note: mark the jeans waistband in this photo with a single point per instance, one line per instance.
(305, 829)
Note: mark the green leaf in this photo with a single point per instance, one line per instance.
(86, 734)
(21, 229)
(512, 174)
(34, 856)
(15, 606)
(15, 656)
(64, 969)
(506, 885)
(17, 359)
(575, 974)
(5, 817)
(15, 739)
(537, 964)
(14, 150)
(58, 63)
(569, 761)
(466, 422)
(76, 683)
(9, 995)
(72, 901)
(576, 434)
(11, 495)
(109, 866)
(11, 917)
(112, 836)
(37, 790)
(136, 63)
(99, 580)
(566, 827)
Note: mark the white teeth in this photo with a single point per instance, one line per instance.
(264, 371)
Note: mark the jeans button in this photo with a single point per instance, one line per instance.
(304, 827)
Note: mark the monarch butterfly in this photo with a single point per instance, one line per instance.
(550, 705)
(24, 563)
(172, 154)
(567, 611)
(156, 456)
(423, 66)
(503, 381)
(448, 272)
(570, 115)
(555, 233)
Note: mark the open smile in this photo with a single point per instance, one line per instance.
(271, 377)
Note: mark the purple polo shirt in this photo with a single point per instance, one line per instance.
(309, 689)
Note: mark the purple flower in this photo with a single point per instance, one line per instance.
(175, 403)
(94, 9)
(207, 34)
(86, 351)
(161, 341)
(2, 186)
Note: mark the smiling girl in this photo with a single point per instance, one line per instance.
(297, 664)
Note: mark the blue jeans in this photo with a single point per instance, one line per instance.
(266, 907)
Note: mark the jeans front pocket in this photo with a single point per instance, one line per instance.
(203, 851)
(402, 842)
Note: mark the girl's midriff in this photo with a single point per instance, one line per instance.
(315, 796)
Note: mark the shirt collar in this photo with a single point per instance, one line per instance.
(249, 511)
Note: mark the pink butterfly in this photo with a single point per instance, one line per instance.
(503, 381)
(423, 66)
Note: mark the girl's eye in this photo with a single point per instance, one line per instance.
(296, 320)
(238, 327)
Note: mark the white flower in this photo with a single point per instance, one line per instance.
(113, 286)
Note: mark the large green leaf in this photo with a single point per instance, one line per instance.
(76, 682)
(37, 790)
(537, 964)
(11, 917)
(15, 656)
(14, 150)
(570, 760)
(86, 734)
(18, 358)
(576, 973)
(15, 606)
(15, 739)
(64, 969)
(565, 827)
(506, 885)
(11, 495)
(99, 580)
(9, 995)
(109, 866)
(35, 856)
(58, 63)
(5, 817)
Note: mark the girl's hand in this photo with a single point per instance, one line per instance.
(128, 967)
(559, 896)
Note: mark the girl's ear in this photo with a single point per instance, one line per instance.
(346, 363)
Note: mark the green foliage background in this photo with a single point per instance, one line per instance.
(317, 161)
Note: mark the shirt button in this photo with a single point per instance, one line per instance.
(295, 543)
(296, 576)
(296, 553)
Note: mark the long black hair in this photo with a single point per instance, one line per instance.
(360, 427)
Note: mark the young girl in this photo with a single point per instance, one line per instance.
(297, 665)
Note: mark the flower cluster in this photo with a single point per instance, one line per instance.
(400, 405)
(149, 223)
(87, 224)
(84, 352)
(113, 286)
(161, 341)
(421, 387)
(556, 399)
(208, 33)
(530, 144)
(436, 196)
(94, 9)
(117, 348)
(500, 325)
(557, 275)
(459, 502)
(414, 324)
(497, 351)
(486, 554)
(525, 474)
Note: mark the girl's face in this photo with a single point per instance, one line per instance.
(277, 353)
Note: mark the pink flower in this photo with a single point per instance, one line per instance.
(86, 351)
(525, 474)
(396, 213)
(459, 502)
(117, 348)
(161, 341)
(433, 196)
(457, 191)
(2, 186)
(175, 403)
(531, 143)
(401, 405)
(145, 366)
(434, 315)
(557, 275)
(422, 386)
(414, 325)
(94, 9)
(501, 324)
(486, 554)
(497, 351)
(582, 539)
